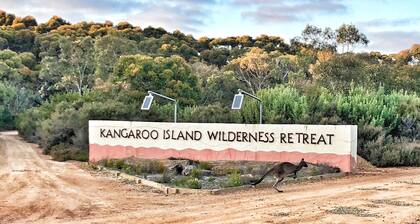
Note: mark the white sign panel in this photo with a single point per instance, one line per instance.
(213, 140)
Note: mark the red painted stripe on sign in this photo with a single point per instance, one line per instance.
(346, 163)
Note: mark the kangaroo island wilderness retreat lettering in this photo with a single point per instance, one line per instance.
(224, 136)
(330, 144)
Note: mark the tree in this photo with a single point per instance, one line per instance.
(282, 66)
(9, 19)
(52, 24)
(203, 43)
(3, 43)
(338, 73)
(271, 43)
(27, 22)
(20, 40)
(409, 56)
(13, 101)
(216, 56)
(74, 67)
(107, 51)
(220, 88)
(154, 32)
(318, 38)
(254, 69)
(2, 18)
(216, 86)
(50, 75)
(48, 44)
(18, 69)
(168, 75)
(406, 77)
(348, 36)
(77, 58)
(124, 25)
(245, 41)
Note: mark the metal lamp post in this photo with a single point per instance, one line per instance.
(147, 102)
(238, 99)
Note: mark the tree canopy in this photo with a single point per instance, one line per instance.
(55, 76)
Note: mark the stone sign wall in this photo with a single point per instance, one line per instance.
(334, 145)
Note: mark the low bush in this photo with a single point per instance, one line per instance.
(234, 179)
(64, 152)
(196, 173)
(136, 167)
(389, 152)
(205, 165)
(187, 182)
(152, 166)
(114, 163)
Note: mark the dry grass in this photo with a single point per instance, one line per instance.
(364, 165)
(279, 214)
(352, 211)
(371, 205)
(373, 189)
(409, 182)
(392, 202)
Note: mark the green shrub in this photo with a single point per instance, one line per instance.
(234, 179)
(64, 152)
(193, 183)
(211, 179)
(166, 177)
(209, 114)
(233, 170)
(152, 166)
(388, 152)
(196, 173)
(282, 104)
(187, 182)
(128, 168)
(205, 165)
(117, 164)
(138, 169)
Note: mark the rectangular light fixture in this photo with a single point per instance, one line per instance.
(237, 101)
(147, 102)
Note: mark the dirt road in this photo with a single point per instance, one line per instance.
(34, 189)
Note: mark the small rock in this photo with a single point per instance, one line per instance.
(187, 170)
(206, 172)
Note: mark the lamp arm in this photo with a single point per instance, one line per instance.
(160, 95)
(249, 94)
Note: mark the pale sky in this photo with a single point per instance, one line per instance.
(390, 26)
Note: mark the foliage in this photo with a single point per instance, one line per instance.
(387, 152)
(135, 167)
(187, 182)
(152, 166)
(196, 173)
(55, 76)
(13, 101)
(107, 51)
(170, 76)
(254, 69)
(205, 165)
(317, 38)
(234, 179)
(348, 36)
(64, 152)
